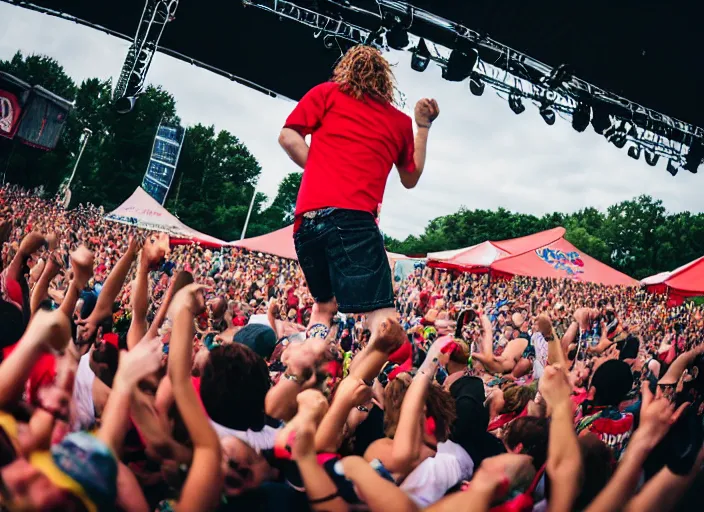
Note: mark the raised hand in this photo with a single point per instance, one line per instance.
(426, 112)
(191, 298)
(140, 362)
(657, 415)
(82, 266)
(354, 391)
(554, 386)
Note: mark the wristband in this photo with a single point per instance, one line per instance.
(325, 499)
(428, 126)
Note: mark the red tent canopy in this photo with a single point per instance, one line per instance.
(480, 257)
(686, 281)
(560, 259)
(279, 243)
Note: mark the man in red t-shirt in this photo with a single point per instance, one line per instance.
(357, 136)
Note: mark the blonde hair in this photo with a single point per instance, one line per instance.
(364, 71)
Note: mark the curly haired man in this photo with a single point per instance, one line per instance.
(357, 136)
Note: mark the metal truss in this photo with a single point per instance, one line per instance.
(507, 71)
(155, 16)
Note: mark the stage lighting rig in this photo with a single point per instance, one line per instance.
(547, 113)
(695, 156)
(557, 77)
(421, 57)
(155, 16)
(672, 168)
(600, 119)
(651, 158)
(476, 84)
(397, 37)
(581, 117)
(459, 65)
(514, 101)
(634, 152)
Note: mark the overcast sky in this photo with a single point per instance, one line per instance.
(480, 155)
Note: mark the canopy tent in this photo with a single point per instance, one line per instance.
(279, 243)
(686, 281)
(480, 257)
(560, 259)
(143, 211)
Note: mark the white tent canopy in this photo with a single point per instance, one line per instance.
(143, 211)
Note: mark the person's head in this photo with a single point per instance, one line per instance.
(244, 468)
(516, 398)
(610, 383)
(439, 405)
(24, 487)
(363, 71)
(233, 387)
(528, 435)
(103, 361)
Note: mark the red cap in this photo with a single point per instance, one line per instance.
(111, 338)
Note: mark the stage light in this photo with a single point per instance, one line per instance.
(581, 117)
(514, 101)
(547, 114)
(617, 134)
(397, 37)
(600, 119)
(634, 152)
(694, 157)
(421, 57)
(671, 168)
(125, 105)
(459, 65)
(651, 158)
(476, 85)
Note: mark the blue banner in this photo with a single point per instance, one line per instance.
(162, 164)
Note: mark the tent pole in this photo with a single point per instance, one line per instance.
(249, 213)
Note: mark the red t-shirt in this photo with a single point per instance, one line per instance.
(355, 143)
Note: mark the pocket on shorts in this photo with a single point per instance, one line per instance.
(362, 249)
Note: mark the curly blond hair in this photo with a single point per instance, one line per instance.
(364, 71)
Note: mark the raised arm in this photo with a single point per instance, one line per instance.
(198, 493)
(426, 112)
(564, 464)
(141, 361)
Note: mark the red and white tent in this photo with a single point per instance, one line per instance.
(143, 211)
(560, 259)
(545, 254)
(480, 257)
(686, 281)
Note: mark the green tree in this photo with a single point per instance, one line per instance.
(284, 204)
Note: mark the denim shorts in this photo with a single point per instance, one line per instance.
(342, 255)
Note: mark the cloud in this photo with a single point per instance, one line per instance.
(480, 155)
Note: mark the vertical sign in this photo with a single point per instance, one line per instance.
(162, 164)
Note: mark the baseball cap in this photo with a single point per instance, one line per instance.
(259, 337)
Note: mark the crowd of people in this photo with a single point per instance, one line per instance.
(140, 376)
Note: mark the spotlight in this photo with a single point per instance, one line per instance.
(397, 37)
(125, 104)
(580, 117)
(421, 57)
(476, 85)
(694, 157)
(671, 168)
(651, 158)
(616, 134)
(634, 152)
(600, 119)
(514, 101)
(547, 114)
(459, 65)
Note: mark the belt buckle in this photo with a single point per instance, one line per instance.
(311, 215)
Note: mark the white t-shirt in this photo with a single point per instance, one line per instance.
(259, 440)
(83, 396)
(541, 354)
(436, 475)
(259, 319)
